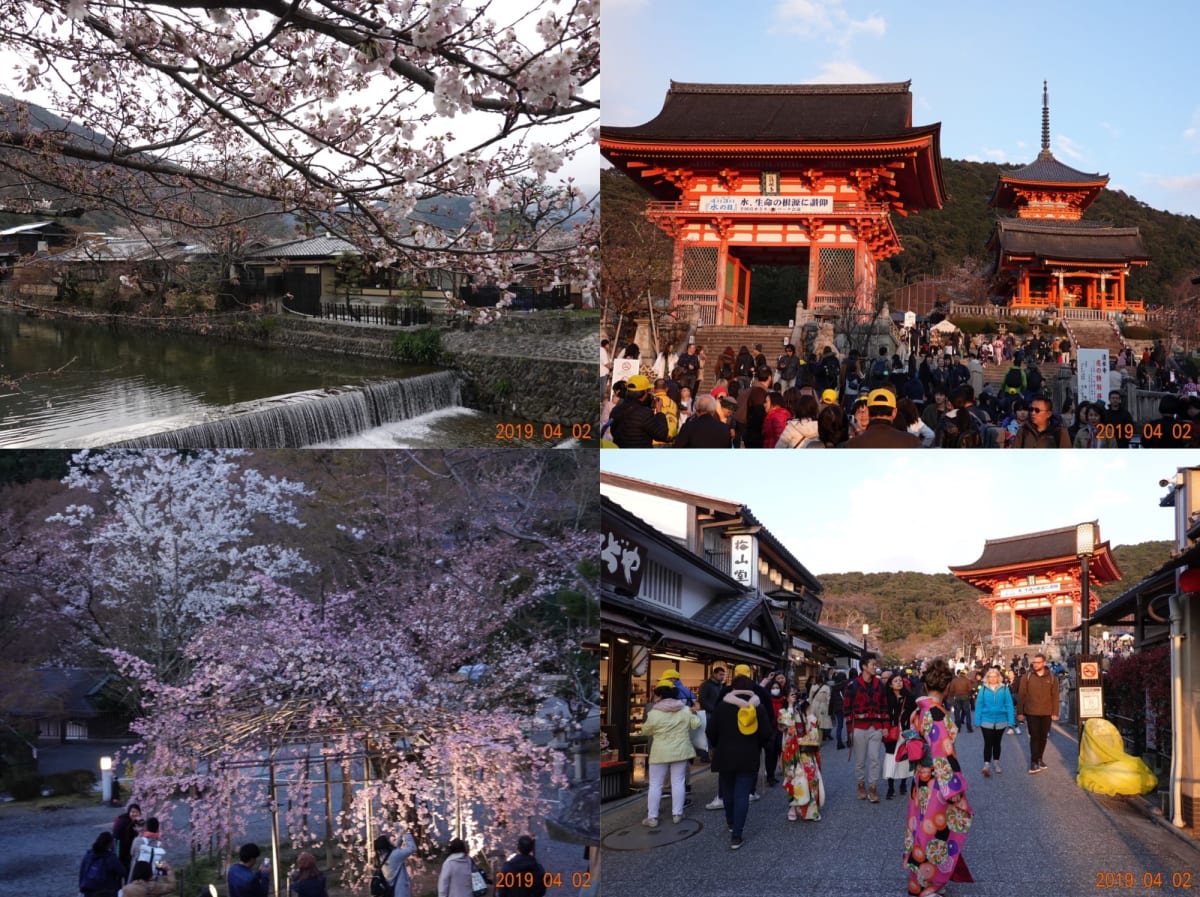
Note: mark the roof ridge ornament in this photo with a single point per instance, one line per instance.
(1045, 153)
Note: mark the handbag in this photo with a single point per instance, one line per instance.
(892, 733)
(479, 882)
(380, 886)
(697, 736)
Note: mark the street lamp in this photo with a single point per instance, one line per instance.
(1085, 547)
(866, 631)
(106, 779)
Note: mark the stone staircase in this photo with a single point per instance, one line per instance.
(714, 339)
(1087, 334)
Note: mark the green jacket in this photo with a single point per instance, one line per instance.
(671, 723)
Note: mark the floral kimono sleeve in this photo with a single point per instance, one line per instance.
(947, 779)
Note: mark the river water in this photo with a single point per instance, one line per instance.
(74, 385)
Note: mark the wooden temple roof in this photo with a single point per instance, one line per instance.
(1030, 551)
(756, 126)
(1052, 241)
(795, 113)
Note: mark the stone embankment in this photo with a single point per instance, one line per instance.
(531, 367)
(528, 366)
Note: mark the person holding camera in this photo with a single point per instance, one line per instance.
(243, 880)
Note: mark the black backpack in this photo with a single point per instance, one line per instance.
(95, 879)
(953, 432)
(1012, 380)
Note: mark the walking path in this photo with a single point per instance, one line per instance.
(1032, 835)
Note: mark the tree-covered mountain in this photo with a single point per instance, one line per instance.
(913, 614)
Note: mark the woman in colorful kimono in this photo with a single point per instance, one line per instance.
(801, 769)
(939, 814)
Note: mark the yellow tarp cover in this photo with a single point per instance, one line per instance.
(1105, 768)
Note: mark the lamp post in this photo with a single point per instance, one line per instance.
(1085, 547)
(866, 632)
(106, 779)
(1089, 696)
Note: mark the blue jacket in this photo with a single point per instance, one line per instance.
(994, 708)
(245, 882)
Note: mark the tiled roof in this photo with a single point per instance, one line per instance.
(1033, 548)
(779, 112)
(728, 614)
(1048, 170)
(1070, 240)
(130, 250)
(310, 247)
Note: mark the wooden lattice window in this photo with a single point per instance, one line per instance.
(699, 270)
(836, 274)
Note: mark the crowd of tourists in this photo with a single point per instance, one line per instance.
(130, 861)
(900, 726)
(879, 402)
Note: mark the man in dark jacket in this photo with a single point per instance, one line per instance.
(635, 423)
(881, 404)
(1039, 431)
(523, 875)
(737, 733)
(1037, 704)
(705, 428)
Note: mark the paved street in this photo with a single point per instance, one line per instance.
(1033, 835)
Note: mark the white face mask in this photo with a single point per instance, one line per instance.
(775, 692)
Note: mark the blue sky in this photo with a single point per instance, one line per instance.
(1123, 77)
(880, 511)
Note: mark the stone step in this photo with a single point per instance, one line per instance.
(714, 339)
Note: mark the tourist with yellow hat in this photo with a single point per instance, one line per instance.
(669, 723)
(636, 422)
(737, 733)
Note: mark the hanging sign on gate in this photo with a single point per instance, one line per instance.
(741, 203)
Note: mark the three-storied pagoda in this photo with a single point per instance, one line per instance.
(780, 174)
(1047, 257)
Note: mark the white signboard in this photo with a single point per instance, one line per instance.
(624, 368)
(1042, 588)
(1093, 375)
(743, 563)
(1091, 702)
(743, 203)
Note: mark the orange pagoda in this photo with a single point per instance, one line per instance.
(1032, 586)
(780, 174)
(1047, 257)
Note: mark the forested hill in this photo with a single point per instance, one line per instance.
(935, 242)
(920, 609)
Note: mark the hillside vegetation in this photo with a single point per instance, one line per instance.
(934, 242)
(921, 613)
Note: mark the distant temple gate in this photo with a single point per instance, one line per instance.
(1032, 585)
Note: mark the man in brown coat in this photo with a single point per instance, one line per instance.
(958, 696)
(1037, 705)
